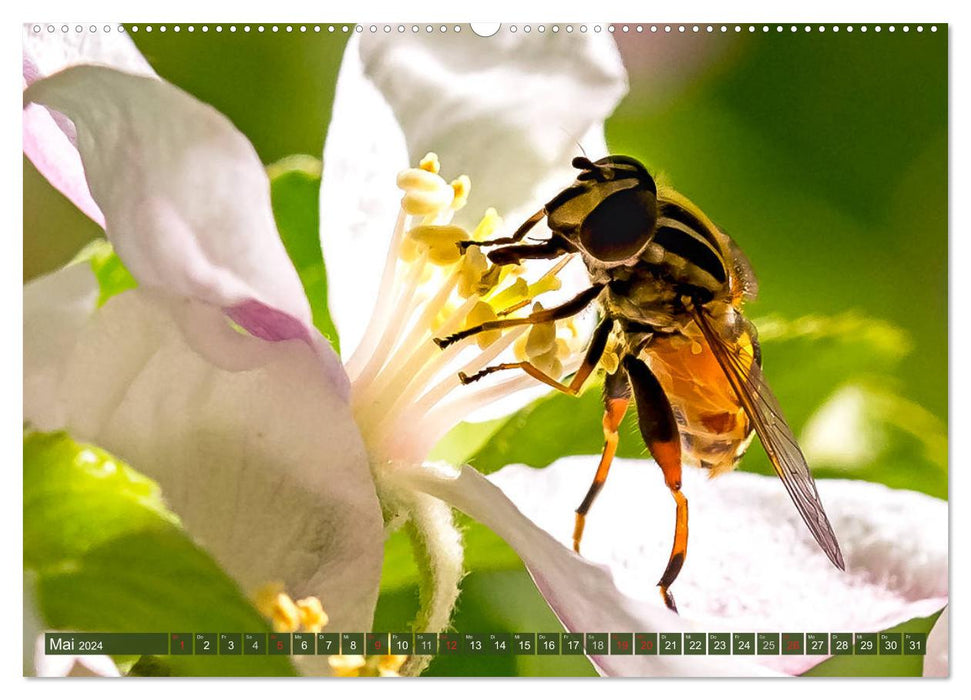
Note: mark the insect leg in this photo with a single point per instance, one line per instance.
(616, 397)
(660, 431)
(515, 254)
(515, 238)
(598, 342)
(555, 313)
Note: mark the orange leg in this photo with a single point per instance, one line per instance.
(660, 432)
(616, 400)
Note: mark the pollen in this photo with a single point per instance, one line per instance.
(473, 268)
(391, 664)
(312, 615)
(510, 296)
(356, 666)
(278, 607)
(541, 338)
(482, 313)
(610, 360)
(285, 615)
(441, 242)
(426, 193)
(430, 163)
(461, 187)
(542, 348)
(346, 666)
(490, 223)
(432, 288)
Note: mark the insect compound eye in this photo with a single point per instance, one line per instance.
(620, 226)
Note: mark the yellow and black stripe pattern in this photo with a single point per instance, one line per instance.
(689, 243)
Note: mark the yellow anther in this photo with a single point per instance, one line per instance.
(442, 242)
(481, 313)
(541, 340)
(353, 665)
(420, 179)
(489, 280)
(430, 163)
(490, 223)
(425, 192)
(696, 348)
(546, 283)
(278, 607)
(549, 363)
(391, 664)
(409, 249)
(426, 202)
(513, 294)
(519, 348)
(346, 666)
(473, 267)
(461, 186)
(312, 615)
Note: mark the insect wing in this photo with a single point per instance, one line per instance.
(762, 407)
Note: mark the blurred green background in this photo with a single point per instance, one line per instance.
(825, 156)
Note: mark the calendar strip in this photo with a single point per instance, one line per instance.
(488, 643)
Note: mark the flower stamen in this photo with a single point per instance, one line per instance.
(433, 287)
(285, 615)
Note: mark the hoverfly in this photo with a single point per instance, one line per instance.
(670, 287)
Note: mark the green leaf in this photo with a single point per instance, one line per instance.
(107, 555)
(295, 190)
(113, 277)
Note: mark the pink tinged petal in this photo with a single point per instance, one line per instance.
(57, 159)
(752, 564)
(936, 662)
(185, 197)
(581, 593)
(50, 141)
(261, 460)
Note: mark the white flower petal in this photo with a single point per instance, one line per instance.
(49, 138)
(61, 665)
(581, 593)
(752, 564)
(936, 663)
(185, 197)
(52, 327)
(359, 199)
(507, 111)
(50, 52)
(262, 461)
